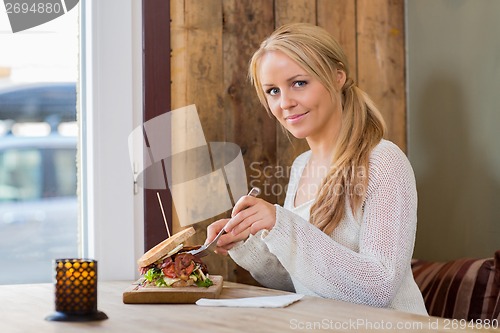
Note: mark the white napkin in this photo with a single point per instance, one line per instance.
(253, 302)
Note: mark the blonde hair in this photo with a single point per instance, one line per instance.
(362, 125)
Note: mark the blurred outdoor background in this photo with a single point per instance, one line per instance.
(38, 140)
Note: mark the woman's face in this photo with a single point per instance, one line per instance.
(298, 100)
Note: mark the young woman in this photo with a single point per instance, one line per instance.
(347, 227)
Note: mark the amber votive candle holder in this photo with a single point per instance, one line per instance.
(76, 291)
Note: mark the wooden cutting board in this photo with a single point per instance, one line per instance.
(137, 294)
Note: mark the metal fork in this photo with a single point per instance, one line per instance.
(207, 248)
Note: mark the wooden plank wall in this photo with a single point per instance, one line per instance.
(212, 42)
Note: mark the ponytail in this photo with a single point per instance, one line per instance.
(362, 129)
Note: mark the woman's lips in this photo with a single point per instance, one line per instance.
(295, 117)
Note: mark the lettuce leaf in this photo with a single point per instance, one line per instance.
(204, 283)
(153, 274)
(201, 279)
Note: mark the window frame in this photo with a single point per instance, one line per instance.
(110, 107)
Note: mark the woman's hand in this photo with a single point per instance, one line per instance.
(226, 242)
(250, 215)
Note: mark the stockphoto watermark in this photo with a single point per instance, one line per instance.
(273, 179)
(26, 14)
(356, 325)
(364, 324)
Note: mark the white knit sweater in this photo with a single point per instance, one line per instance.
(365, 260)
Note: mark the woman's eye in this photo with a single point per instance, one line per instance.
(299, 83)
(273, 91)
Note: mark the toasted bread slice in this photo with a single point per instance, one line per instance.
(160, 250)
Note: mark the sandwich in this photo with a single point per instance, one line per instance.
(169, 265)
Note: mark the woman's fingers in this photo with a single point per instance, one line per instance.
(224, 249)
(241, 221)
(249, 216)
(258, 215)
(228, 241)
(214, 228)
(243, 203)
(231, 238)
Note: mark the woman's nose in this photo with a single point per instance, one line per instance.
(287, 101)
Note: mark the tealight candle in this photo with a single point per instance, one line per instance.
(76, 291)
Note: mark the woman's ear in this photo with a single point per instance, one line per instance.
(341, 78)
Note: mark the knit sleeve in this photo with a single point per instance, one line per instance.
(372, 274)
(254, 256)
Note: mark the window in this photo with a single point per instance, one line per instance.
(38, 148)
(20, 175)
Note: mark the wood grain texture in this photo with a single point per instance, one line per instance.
(136, 294)
(288, 11)
(338, 17)
(179, 65)
(332, 314)
(381, 61)
(204, 84)
(197, 78)
(178, 59)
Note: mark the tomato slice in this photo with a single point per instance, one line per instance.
(169, 270)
